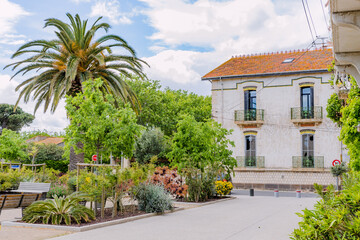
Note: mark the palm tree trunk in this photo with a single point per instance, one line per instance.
(76, 158)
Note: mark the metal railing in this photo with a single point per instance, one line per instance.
(306, 113)
(308, 162)
(249, 115)
(258, 161)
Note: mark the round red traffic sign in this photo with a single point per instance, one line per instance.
(94, 157)
(336, 162)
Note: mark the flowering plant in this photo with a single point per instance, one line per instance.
(223, 187)
(170, 181)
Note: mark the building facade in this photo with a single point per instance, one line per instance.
(276, 105)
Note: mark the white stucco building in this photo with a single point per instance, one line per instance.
(276, 105)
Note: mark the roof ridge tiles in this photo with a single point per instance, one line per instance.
(245, 64)
(248, 55)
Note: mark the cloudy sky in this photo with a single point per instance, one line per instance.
(181, 39)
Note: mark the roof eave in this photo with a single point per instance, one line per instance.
(265, 74)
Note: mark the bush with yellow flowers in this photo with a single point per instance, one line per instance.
(223, 187)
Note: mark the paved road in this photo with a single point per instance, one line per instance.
(237, 192)
(248, 218)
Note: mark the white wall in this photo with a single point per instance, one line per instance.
(278, 139)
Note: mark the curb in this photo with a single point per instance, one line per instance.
(200, 204)
(84, 228)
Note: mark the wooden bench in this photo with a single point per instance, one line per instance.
(29, 187)
(18, 200)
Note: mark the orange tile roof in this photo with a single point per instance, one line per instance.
(271, 63)
(51, 140)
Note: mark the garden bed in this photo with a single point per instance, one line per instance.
(129, 211)
(215, 198)
(98, 223)
(187, 204)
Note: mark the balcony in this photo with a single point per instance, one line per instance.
(307, 116)
(249, 118)
(254, 162)
(308, 162)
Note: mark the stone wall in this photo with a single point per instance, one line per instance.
(283, 179)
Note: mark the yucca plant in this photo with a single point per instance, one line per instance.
(59, 210)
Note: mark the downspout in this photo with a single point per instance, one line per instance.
(222, 102)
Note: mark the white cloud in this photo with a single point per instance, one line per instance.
(52, 122)
(111, 10)
(80, 1)
(10, 13)
(227, 28)
(176, 65)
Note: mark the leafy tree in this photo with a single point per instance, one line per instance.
(350, 120)
(333, 108)
(14, 120)
(98, 124)
(164, 108)
(150, 144)
(30, 134)
(200, 150)
(51, 155)
(12, 146)
(63, 64)
(337, 171)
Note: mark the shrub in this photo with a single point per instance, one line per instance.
(59, 190)
(339, 169)
(52, 155)
(151, 143)
(223, 187)
(71, 184)
(152, 198)
(170, 180)
(60, 210)
(335, 216)
(201, 185)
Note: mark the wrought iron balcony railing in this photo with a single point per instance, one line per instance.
(308, 162)
(257, 162)
(249, 117)
(307, 115)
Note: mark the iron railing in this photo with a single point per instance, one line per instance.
(258, 161)
(306, 113)
(308, 162)
(249, 115)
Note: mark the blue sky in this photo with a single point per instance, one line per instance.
(181, 39)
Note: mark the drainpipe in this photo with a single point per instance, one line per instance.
(222, 102)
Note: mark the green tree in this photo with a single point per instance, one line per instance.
(164, 108)
(350, 119)
(12, 146)
(63, 64)
(14, 120)
(200, 151)
(52, 155)
(333, 108)
(98, 124)
(151, 143)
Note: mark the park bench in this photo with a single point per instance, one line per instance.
(29, 187)
(18, 200)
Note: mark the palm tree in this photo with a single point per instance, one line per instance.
(63, 64)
